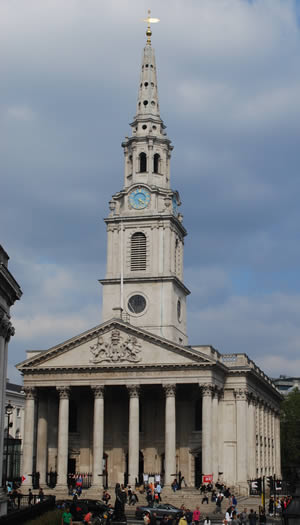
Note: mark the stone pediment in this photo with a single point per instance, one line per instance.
(114, 344)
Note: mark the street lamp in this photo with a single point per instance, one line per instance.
(8, 412)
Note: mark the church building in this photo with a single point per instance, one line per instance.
(130, 397)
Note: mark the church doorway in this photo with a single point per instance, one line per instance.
(198, 469)
(71, 465)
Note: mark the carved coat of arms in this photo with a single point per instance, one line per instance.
(117, 349)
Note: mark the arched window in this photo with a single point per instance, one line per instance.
(156, 160)
(143, 162)
(138, 252)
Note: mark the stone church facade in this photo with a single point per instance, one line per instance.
(130, 397)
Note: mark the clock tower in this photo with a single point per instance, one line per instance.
(145, 234)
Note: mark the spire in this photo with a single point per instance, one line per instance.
(148, 104)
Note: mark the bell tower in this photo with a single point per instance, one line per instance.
(145, 234)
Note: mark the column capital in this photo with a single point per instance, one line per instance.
(241, 394)
(30, 392)
(98, 391)
(206, 389)
(133, 390)
(6, 328)
(63, 392)
(170, 389)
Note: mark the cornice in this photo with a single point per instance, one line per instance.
(117, 219)
(117, 368)
(151, 279)
(9, 287)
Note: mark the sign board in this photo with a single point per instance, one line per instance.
(207, 478)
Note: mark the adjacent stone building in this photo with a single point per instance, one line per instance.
(130, 396)
(10, 291)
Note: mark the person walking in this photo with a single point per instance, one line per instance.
(196, 516)
(252, 517)
(66, 518)
(207, 521)
(219, 504)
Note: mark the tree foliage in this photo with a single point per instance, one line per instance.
(290, 431)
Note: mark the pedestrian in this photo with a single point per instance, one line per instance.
(189, 517)
(207, 521)
(174, 485)
(234, 520)
(134, 498)
(262, 516)
(196, 515)
(252, 517)
(88, 517)
(30, 497)
(205, 498)
(153, 520)
(271, 506)
(182, 520)
(243, 517)
(219, 504)
(41, 495)
(66, 518)
(147, 518)
(158, 490)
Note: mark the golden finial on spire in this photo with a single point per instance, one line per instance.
(149, 21)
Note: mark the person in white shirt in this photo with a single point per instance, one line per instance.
(207, 521)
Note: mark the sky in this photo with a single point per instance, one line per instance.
(229, 89)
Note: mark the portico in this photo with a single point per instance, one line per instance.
(146, 416)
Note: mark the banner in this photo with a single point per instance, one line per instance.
(207, 478)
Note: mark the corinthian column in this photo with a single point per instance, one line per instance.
(30, 396)
(206, 429)
(63, 436)
(134, 433)
(42, 431)
(170, 433)
(241, 435)
(215, 434)
(98, 436)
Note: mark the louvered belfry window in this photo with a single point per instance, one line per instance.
(138, 259)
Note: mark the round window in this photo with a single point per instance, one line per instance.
(136, 304)
(179, 310)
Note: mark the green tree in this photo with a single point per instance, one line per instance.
(290, 433)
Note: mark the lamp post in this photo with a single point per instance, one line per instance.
(8, 412)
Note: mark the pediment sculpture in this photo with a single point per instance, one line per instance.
(117, 349)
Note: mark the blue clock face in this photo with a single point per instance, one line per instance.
(139, 198)
(175, 205)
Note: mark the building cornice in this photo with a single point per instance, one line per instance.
(9, 287)
(150, 279)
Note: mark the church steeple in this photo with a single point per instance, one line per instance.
(144, 278)
(148, 150)
(148, 104)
